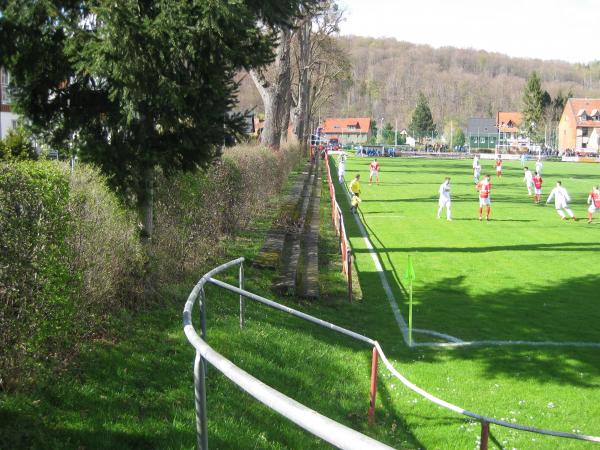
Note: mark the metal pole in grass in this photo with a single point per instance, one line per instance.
(373, 392)
(200, 384)
(410, 277)
(485, 435)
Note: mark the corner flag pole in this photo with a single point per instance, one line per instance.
(410, 276)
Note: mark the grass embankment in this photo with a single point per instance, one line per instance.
(136, 390)
(524, 275)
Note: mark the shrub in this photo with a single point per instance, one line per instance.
(36, 285)
(17, 147)
(69, 256)
(106, 252)
(195, 211)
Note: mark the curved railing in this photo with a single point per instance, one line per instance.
(330, 431)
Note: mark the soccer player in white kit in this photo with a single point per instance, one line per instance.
(341, 168)
(445, 199)
(538, 166)
(561, 200)
(528, 179)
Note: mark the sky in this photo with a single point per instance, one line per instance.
(547, 29)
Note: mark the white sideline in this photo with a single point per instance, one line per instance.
(454, 342)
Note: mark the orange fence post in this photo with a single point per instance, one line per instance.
(485, 435)
(349, 273)
(373, 387)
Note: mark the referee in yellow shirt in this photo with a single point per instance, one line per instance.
(355, 189)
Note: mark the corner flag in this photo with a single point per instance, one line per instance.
(410, 271)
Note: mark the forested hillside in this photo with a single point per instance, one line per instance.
(386, 76)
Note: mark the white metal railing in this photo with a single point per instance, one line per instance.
(330, 431)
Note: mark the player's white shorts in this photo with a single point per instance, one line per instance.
(561, 205)
(498, 168)
(529, 184)
(374, 173)
(484, 201)
(592, 209)
(538, 191)
(444, 201)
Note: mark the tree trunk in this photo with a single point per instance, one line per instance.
(275, 94)
(146, 203)
(301, 109)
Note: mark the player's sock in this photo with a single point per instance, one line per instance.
(487, 213)
(480, 213)
(589, 217)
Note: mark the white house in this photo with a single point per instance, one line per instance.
(8, 119)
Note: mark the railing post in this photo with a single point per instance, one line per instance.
(200, 397)
(373, 387)
(242, 299)
(349, 272)
(485, 435)
(200, 383)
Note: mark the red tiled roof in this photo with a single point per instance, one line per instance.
(346, 125)
(509, 122)
(587, 104)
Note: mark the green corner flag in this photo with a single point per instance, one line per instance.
(410, 271)
(410, 276)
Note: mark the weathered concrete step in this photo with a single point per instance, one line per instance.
(310, 241)
(288, 280)
(270, 255)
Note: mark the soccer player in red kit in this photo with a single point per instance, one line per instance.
(484, 187)
(499, 166)
(374, 171)
(594, 202)
(537, 184)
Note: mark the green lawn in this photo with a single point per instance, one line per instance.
(135, 391)
(525, 275)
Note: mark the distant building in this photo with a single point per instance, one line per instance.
(347, 130)
(8, 119)
(579, 127)
(482, 133)
(510, 134)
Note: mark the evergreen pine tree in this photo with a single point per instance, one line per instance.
(533, 107)
(136, 85)
(421, 122)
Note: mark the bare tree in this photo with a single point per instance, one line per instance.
(319, 62)
(273, 84)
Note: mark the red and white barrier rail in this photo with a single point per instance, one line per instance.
(337, 218)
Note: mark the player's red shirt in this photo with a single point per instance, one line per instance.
(498, 163)
(484, 189)
(537, 182)
(595, 195)
(374, 165)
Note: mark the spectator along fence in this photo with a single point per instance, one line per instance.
(327, 429)
(337, 218)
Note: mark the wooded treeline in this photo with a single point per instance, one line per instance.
(385, 77)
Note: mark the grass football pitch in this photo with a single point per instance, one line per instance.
(524, 276)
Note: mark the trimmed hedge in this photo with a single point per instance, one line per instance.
(67, 249)
(195, 211)
(70, 253)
